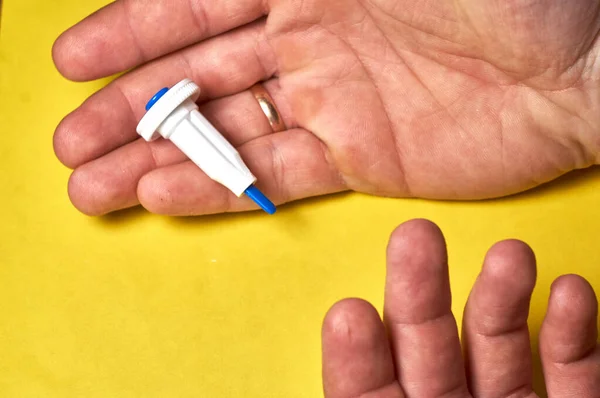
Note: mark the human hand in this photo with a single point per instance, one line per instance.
(416, 352)
(446, 100)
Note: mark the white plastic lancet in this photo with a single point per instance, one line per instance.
(173, 114)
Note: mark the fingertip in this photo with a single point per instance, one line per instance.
(570, 282)
(499, 300)
(413, 232)
(351, 322)
(67, 142)
(56, 53)
(92, 130)
(60, 143)
(66, 57)
(572, 295)
(569, 331)
(416, 253)
(417, 277)
(81, 192)
(95, 194)
(511, 262)
(182, 189)
(82, 52)
(356, 354)
(418, 225)
(154, 194)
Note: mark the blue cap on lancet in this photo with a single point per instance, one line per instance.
(260, 199)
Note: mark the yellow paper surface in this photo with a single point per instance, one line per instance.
(139, 305)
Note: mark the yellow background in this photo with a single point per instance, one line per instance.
(135, 304)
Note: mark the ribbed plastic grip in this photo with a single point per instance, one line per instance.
(179, 93)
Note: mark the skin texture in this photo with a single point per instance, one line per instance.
(450, 99)
(415, 350)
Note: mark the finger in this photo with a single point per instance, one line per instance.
(102, 185)
(127, 33)
(357, 361)
(495, 333)
(110, 182)
(418, 313)
(108, 119)
(240, 118)
(290, 165)
(569, 340)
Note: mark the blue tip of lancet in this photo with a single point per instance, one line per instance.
(260, 199)
(156, 97)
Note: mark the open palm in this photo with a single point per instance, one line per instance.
(457, 99)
